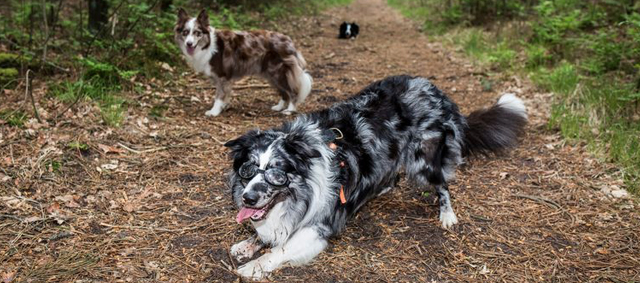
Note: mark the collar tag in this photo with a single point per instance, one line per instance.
(338, 133)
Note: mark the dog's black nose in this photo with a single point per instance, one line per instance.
(250, 198)
(189, 44)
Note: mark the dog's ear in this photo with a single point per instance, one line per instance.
(240, 147)
(242, 142)
(182, 15)
(297, 144)
(203, 18)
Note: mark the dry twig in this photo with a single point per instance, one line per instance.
(29, 94)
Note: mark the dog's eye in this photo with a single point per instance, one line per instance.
(248, 170)
(197, 33)
(185, 32)
(276, 177)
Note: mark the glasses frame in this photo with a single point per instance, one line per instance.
(264, 172)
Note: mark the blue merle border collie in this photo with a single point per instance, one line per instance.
(299, 183)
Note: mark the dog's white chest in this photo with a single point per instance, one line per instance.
(273, 229)
(199, 62)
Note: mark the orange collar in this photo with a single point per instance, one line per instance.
(334, 146)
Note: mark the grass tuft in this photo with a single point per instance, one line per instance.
(15, 118)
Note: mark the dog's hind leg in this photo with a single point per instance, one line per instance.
(291, 108)
(447, 216)
(244, 250)
(287, 97)
(290, 100)
(302, 247)
(223, 95)
(284, 97)
(432, 162)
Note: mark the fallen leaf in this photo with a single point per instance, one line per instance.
(53, 208)
(8, 276)
(128, 207)
(68, 200)
(33, 219)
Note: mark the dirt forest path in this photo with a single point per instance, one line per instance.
(148, 202)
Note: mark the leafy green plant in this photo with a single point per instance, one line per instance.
(554, 22)
(502, 56)
(487, 84)
(157, 111)
(607, 53)
(53, 165)
(76, 145)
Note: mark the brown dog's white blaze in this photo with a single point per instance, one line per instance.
(227, 56)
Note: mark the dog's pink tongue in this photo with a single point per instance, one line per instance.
(190, 50)
(245, 213)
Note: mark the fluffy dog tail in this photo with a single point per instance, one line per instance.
(495, 129)
(299, 80)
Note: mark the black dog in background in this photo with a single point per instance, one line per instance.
(349, 30)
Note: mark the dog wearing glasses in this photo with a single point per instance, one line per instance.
(226, 56)
(298, 184)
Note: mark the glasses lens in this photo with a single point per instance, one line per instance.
(248, 170)
(276, 177)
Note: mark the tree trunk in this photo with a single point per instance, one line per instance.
(98, 15)
(165, 5)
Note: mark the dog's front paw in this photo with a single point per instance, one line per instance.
(212, 113)
(253, 270)
(218, 107)
(448, 219)
(244, 250)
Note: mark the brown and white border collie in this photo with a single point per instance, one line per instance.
(227, 56)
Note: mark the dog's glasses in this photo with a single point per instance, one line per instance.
(273, 176)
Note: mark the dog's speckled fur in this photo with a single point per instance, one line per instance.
(398, 124)
(227, 56)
